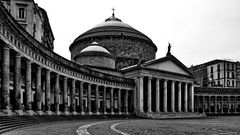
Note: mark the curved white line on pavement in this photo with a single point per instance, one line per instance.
(83, 129)
(118, 131)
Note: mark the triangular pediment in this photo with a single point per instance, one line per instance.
(169, 64)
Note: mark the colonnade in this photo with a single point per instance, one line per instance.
(164, 95)
(217, 104)
(27, 87)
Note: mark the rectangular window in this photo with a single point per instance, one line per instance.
(233, 83)
(21, 13)
(218, 83)
(218, 75)
(211, 69)
(227, 74)
(218, 67)
(227, 65)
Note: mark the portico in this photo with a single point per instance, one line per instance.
(163, 86)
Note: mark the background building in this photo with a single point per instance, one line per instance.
(216, 73)
(33, 19)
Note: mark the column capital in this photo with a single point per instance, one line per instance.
(150, 77)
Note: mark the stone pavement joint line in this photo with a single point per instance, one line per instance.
(118, 131)
(83, 129)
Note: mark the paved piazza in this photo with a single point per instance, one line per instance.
(208, 126)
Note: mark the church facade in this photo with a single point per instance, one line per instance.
(107, 74)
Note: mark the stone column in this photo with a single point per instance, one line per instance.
(89, 99)
(228, 103)
(17, 85)
(65, 95)
(105, 100)
(157, 95)
(140, 94)
(186, 98)
(126, 102)
(235, 104)
(73, 102)
(191, 98)
(56, 95)
(203, 107)
(179, 98)
(149, 94)
(165, 96)
(215, 104)
(173, 96)
(119, 101)
(112, 101)
(39, 90)
(81, 98)
(48, 94)
(209, 104)
(5, 80)
(222, 104)
(97, 99)
(29, 87)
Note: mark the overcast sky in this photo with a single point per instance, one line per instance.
(199, 30)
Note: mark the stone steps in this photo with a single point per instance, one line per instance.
(11, 123)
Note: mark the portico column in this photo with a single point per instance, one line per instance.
(17, 85)
(104, 100)
(111, 101)
(73, 102)
(119, 101)
(140, 94)
(186, 98)
(97, 99)
(222, 104)
(165, 96)
(56, 94)
(126, 102)
(191, 101)
(203, 104)
(65, 95)
(5, 80)
(48, 94)
(209, 104)
(157, 95)
(39, 90)
(173, 96)
(29, 87)
(235, 104)
(89, 99)
(215, 104)
(149, 94)
(81, 98)
(179, 97)
(228, 104)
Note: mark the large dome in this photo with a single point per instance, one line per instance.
(125, 43)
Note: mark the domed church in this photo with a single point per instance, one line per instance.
(125, 43)
(112, 71)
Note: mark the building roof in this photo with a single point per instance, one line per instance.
(95, 48)
(212, 62)
(113, 26)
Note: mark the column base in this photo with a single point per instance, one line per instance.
(119, 113)
(58, 113)
(89, 113)
(97, 113)
(40, 112)
(74, 113)
(7, 112)
(105, 113)
(49, 112)
(82, 113)
(29, 112)
(66, 113)
(19, 112)
(112, 113)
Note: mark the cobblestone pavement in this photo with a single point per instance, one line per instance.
(227, 125)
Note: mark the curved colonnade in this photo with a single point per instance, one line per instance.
(36, 80)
